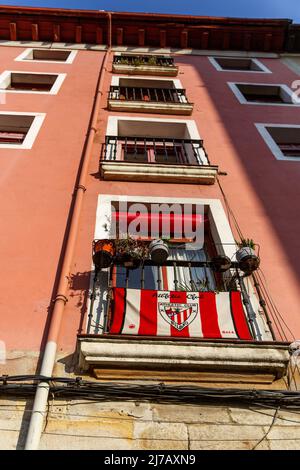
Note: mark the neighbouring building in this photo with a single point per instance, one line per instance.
(110, 121)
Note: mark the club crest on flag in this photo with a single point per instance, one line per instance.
(178, 315)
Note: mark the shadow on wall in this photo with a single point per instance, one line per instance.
(273, 182)
(79, 289)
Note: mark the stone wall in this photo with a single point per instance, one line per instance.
(135, 425)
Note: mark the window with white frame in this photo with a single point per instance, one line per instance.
(31, 82)
(19, 130)
(238, 64)
(263, 94)
(282, 139)
(185, 270)
(154, 141)
(147, 89)
(47, 55)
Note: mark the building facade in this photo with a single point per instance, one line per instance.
(116, 130)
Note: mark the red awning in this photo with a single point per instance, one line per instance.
(171, 222)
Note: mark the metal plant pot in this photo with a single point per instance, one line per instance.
(129, 260)
(159, 251)
(247, 259)
(221, 263)
(103, 253)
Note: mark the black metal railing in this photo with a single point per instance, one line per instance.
(155, 150)
(142, 60)
(165, 95)
(193, 272)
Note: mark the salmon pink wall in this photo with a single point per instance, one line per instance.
(262, 191)
(36, 187)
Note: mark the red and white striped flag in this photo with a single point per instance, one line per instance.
(179, 314)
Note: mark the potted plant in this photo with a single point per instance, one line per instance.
(103, 253)
(246, 256)
(146, 97)
(220, 263)
(152, 61)
(159, 251)
(137, 61)
(130, 252)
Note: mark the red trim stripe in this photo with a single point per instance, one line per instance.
(119, 311)
(238, 315)
(209, 315)
(164, 272)
(179, 297)
(148, 313)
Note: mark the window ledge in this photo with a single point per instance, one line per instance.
(128, 171)
(150, 107)
(145, 70)
(236, 359)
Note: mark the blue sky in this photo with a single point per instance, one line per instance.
(239, 8)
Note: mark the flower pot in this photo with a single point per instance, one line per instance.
(129, 260)
(159, 251)
(221, 263)
(103, 253)
(247, 259)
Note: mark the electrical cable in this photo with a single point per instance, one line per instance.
(272, 424)
(230, 211)
(276, 316)
(76, 387)
(272, 306)
(273, 303)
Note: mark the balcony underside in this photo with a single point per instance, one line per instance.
(164, 173)
(150, 107)
(145, 70)
(151, 359)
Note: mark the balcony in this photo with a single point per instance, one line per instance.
(156, 159)
(182, 320)
(149, 100)
(144, 65)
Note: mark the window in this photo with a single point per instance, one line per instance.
(47, 55)
(31, 82)
(179, 274)
(189, 267)
(258, 93)
(138, 94)
(148, 89)
(166, 150)
(19, 130)
(153, 332)
(283, 140)
(238, 64)
(157, 150)
(153, 140)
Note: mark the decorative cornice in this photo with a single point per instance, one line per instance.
(148, 29)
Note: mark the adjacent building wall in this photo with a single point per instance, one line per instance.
(37, 187)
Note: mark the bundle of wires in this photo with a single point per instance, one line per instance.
(75, 388)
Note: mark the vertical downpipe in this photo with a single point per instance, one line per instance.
(42, 392)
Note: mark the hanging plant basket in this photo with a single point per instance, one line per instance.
(103, 253)
(246, 257)
(159, 251)
(130, 252)
(129, 260)
(221, 263)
